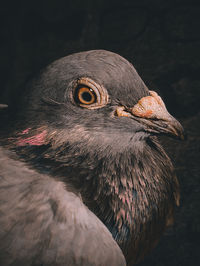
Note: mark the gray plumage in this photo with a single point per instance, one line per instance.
(42, 223)
(94, 181)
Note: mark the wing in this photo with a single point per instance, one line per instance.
(42, 223)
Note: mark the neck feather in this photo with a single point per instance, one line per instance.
(132, 192)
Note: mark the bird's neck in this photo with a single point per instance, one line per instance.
(130, 191)
(130, 188)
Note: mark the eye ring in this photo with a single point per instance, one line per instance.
(89, 94)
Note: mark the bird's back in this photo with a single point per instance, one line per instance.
(43, 223)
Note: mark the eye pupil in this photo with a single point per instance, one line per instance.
(86, 96)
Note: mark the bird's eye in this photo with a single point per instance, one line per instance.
(87, 93)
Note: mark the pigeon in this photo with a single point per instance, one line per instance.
(84, 179)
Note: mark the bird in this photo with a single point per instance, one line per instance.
(84, 179)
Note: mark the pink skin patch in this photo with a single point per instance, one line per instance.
(26, 131)
(35, 140)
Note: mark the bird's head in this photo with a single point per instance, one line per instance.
(95, 96)
(91, 114)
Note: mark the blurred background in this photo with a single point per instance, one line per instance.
(161, 39)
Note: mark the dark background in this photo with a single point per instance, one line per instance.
(162, 40)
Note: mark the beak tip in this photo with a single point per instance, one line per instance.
(183, 135)
(178, 131)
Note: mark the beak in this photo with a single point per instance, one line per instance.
(151, 112)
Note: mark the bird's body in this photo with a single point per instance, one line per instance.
(44, 223)
(80, 125)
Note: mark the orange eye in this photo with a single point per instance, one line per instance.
(89, 94)
(85, 95)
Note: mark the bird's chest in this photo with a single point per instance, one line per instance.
(135, 200)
